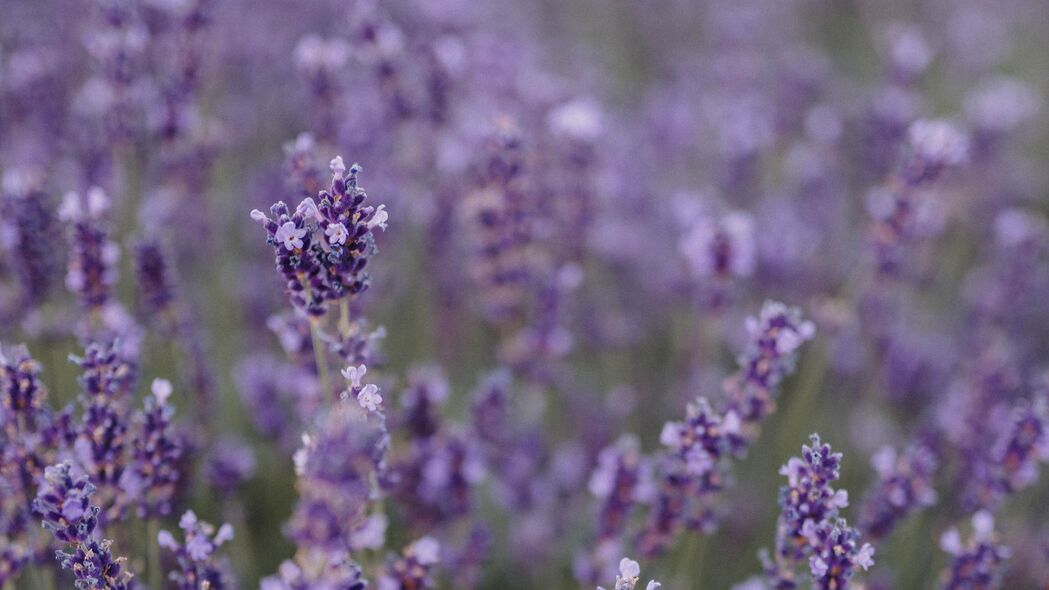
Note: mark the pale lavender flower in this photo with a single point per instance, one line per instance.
(198, 567)
(977, 563)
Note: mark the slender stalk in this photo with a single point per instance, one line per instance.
(44, 578)
(344, 317)
(321, 357)
(156, 569)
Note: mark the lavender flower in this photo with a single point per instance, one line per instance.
(32, 218)
(156, 290)
(775, 337)
(412, 570)
(629, 572)
(92, 265)
(153, 472)
(904, 486)
(317, 569)
(976, 564)
(64, 505)
(622, 478)
(721, 247)
(198, 568)
(322, 249)
(809, 527)
(1012, 463)
(230, 464)
(339, 467)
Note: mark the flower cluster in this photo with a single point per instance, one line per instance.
(198, 567)
(322, 248)
(64, 505)
(412, 570)
(977, 563)
(904, 486)
(809, 527)
(629, 574)
(153, 471)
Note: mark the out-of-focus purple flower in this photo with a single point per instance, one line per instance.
(721, 247)
(977, 563)
(155, 286)
(774, 339)
(198, 567)
(316, 569)
(230, 464)
(31, 217)
(904, 486)
(629, 576)
(339, 467)
(413, 569)
(621, 480)
(1012, 463)
(92, 263)
(153, 472)
(498, 218)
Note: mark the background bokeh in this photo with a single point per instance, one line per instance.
(648, 130)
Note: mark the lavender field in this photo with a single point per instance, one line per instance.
(509, 295)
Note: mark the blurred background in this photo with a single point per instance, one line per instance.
(586, 198)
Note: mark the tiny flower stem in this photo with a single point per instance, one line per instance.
(321, 357)
(156, 569)
(344, 317)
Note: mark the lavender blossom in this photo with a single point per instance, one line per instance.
(904, 486)
(809, 527)
(322, 249)
(92, 264)
(622, 478)
(198, 567)
(64, 505)
(230, 464)
(32, 217)
(338, 467)
(629, 572)
(976, 564)
(775, 337)
(318, 569)
(412, 570)
(1012, 463)
(153, 472)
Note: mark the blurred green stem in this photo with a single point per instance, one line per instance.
(810, 382)
(43, 578)
(321, 356)
(156, 570)
(696, 556)
(344, 317)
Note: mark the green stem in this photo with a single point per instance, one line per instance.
(344, 317)
(156, 569)
(9, 585)
(44, 578)
(320, 354)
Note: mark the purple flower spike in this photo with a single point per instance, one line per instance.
(412, 570)
(976, 564)
(775, 337)
(323, 246)
(809, 531)
(198, 567)
(154, 470)
(904, 486)
(64, 506)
